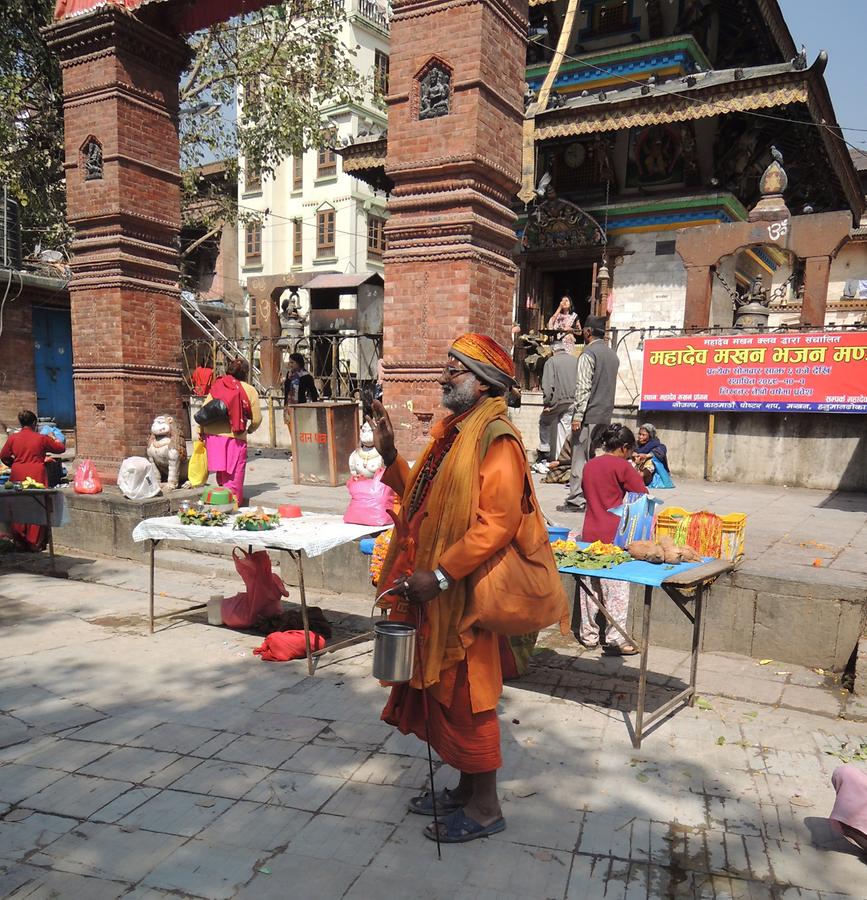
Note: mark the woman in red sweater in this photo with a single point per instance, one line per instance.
(25, 452)
(606, 481)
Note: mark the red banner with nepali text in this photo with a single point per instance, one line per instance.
(804, 372)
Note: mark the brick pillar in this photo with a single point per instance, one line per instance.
(120, 86)
(817, 272)
(451, 230)
(699, 285)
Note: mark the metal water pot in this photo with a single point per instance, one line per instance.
(393, 651)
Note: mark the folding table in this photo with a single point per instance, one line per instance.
(675, 581)
(35, 506)
(310, 534)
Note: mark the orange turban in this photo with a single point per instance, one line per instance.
(485, 358)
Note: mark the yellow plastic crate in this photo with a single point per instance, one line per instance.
(734, 527)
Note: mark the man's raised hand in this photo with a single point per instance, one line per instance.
(383, 433)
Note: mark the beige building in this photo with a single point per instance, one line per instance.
(317, 219)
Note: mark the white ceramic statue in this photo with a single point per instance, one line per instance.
(167, 449)
(365, 459)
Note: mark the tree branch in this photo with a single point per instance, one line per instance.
(205, 237)
(201, 56)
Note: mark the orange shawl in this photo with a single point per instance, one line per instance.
(450, 505)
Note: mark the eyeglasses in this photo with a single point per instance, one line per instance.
(452, 372)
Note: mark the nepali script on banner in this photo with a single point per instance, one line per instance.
(757, 373)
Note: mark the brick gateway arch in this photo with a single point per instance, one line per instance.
(454, 154)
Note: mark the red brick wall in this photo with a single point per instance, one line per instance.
(120, 82)
(448, 267)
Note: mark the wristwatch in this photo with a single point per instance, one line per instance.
(441, 579)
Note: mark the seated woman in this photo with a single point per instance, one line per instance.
(559, 470)
(651, 458)
(849, 815)
(25, 452)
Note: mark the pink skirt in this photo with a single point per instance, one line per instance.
(227, 456)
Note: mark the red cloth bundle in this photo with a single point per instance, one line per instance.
(281, 646)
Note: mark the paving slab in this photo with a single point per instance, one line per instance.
(256, 826)
(201, 869)
(78, 796)
(221, 778)
(19, 781)
(107, 851)
(307, 876)
(31, 882)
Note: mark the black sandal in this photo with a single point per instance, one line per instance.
(423, 804)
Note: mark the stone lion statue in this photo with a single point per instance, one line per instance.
(167, 449)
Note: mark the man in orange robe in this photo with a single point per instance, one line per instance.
(461, 503)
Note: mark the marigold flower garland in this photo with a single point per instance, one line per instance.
(380, 550)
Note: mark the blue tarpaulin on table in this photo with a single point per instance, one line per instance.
(636, 571)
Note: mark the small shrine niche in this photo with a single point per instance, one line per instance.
(434, 90)
(91, 159)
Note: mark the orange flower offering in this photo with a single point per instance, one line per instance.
(380, 549)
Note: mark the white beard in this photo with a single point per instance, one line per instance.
(461, 398)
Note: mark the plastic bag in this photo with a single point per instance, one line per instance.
(138, 478)
(264, 590)
(370, 501)
(637, 513)
(87, 480)
(281, 646)
(54, 432)
(197, 468)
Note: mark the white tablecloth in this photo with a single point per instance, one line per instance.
(314, 533)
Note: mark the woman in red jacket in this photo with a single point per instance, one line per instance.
(605, 482)
(25, 452)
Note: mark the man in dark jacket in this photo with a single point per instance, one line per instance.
(558, 396)
(594, 404)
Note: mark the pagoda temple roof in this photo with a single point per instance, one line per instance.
(712, 93)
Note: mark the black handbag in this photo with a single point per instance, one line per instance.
(53, 471)
(212, 412)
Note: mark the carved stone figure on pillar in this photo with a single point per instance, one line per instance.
(92, 160)
(434, 93)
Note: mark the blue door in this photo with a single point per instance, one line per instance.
(52, 349)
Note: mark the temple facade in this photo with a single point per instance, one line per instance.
(643, 118)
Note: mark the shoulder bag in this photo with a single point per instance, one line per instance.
(518, 589)
(213, 412)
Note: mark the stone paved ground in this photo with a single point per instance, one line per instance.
(181, 765)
